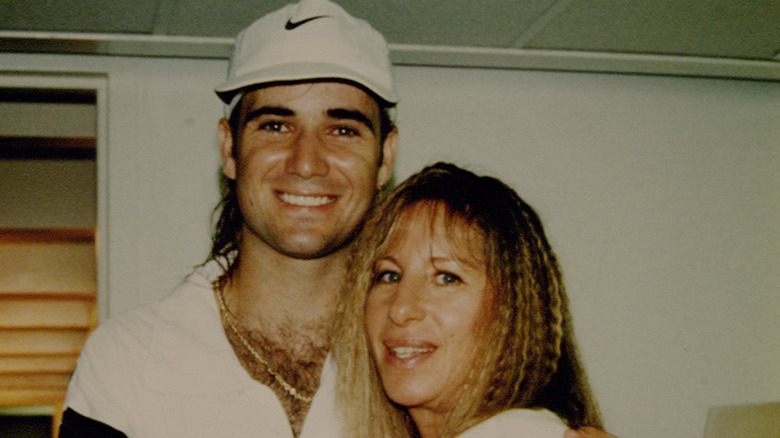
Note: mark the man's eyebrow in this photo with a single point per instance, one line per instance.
(269, 111)
(356, 115)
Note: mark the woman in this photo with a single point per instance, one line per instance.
(455, 319)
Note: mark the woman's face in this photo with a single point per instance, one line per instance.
(427, 310)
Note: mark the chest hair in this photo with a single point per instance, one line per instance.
(296, 353)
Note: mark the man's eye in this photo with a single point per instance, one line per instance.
(447, 278)
(387, 277)
(273, 126)
(346, 131)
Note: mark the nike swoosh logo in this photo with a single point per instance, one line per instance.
(290, 25)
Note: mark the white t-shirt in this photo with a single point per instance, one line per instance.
(168, 370)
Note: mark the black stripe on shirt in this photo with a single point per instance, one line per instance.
(75, 425)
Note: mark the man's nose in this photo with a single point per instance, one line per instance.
(307, 156)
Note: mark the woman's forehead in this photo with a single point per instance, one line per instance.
(433, 220)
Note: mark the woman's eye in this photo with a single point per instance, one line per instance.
(447, 278)
(387, 277)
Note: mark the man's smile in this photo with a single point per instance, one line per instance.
(305, 200)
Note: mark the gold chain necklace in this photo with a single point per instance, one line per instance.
(232, 323)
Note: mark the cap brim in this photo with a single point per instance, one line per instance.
(301, 72)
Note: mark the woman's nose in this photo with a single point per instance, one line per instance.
(407, 305)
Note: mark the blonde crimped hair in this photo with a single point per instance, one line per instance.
(367, 412)
(529, 358)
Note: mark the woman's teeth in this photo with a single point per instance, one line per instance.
(407, 352)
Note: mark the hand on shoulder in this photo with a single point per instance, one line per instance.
(587, 432)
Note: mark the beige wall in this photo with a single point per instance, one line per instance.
(659, 195)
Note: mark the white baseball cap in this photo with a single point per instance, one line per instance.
(313, 39)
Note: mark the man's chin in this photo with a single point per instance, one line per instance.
(312, 250)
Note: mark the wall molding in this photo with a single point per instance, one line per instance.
(403, 54)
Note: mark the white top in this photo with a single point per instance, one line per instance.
(168, 370)
(519, 423)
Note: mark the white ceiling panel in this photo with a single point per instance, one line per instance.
(711, 28)
(722, 38)
(212, 18)
(103, 16)
(464, 23)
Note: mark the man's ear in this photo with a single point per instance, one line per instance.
(389, 149)
(226, 148)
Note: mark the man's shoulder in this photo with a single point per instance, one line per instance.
(168, 343)
(136, 324)
(135, 328)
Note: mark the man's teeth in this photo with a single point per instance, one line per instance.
(407, 352)
(304, 201)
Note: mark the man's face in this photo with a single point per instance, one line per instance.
(306, 165)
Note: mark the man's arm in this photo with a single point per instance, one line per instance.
(587, 432)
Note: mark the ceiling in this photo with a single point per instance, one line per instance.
(719, 38)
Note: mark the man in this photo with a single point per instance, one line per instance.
(240, 348)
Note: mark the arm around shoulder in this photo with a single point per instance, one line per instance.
(587, 432)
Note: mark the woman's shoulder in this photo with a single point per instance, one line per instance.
(519, 423)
